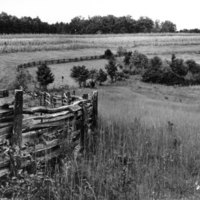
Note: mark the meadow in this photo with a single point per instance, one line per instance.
(148, 135)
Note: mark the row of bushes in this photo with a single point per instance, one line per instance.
(156, 70)
(85, 77)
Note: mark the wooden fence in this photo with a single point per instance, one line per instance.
(32, 135)
(60, 61)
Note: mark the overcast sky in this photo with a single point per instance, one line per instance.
(184, 13)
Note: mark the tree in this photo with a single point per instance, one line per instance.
(111, 69)
(44, 76)
(144, 25)
(80, 74)
(168, 26)
(101, 76)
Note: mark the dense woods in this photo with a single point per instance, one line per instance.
(80, 25)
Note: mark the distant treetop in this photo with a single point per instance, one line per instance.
(80, 25)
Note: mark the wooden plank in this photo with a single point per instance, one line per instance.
(7, 119)
(95, 108)
(74, 107)
(48, 116)
(45, 125)
(5, 134)
(6, 124)
(6, 112)
(4, 172)
(16, 136)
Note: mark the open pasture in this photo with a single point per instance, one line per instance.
(19, 49)
(65, 70)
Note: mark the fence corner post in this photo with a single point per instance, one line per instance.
(95, 108)
(16, 137)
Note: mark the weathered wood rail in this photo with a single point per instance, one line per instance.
(29, 135)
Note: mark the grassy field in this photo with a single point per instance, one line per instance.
(18, 49)
(154, 128)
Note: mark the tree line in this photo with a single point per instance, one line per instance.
(79, 25)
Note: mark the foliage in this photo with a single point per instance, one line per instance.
(159, 72)
(178, 66)
(127, 58)
(139, 61)
(44, 76)
(101, 76)
(93, 74)
(108, 54)
(193, 67)
(80, 74)
(121, 76)
(144, 25)
(79, 25)
(168, 27)
(23, 79)
(111, 69)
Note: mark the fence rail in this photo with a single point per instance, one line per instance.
(37, 134)
(61, 61)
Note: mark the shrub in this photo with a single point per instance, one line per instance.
(178, 67)
(44, 76)
(139, 61)
(23, 79)
(111, 69)
(80, 74)
(193, 67)
(121, 76)
(126, 71)
(108, 54)
(101, 76)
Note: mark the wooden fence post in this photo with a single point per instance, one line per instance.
(16, 137)
(84, 124)
(95, 108)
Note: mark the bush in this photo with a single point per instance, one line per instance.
(23, 79)
(139, 61)
(80, 74)
(121, 76)
(178, 66)
(193, 67)
(44, 76)
(161, 73)
(108, 54)
(101, 76)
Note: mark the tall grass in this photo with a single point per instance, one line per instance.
(133, 155)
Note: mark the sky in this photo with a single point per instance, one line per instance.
(184, 13)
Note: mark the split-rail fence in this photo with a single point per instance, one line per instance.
(29, 135)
